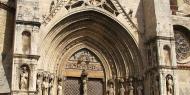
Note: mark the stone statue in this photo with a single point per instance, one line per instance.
(84, 79)
(122, 90)
(84, 85)
(111, 89)
(169, 84)
(140, 89)
(59, 88)
(131, 88)
(51, 81)
(45, 86)
(24, 79)
(39, 84)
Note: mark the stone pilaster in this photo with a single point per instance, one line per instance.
(159, 30)
(165, 46)
(25, 44)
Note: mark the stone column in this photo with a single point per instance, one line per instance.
(33, 78)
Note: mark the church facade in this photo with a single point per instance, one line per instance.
(95, 47)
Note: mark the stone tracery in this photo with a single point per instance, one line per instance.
(182, 46)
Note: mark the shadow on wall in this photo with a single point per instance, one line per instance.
(140, 16)
(140, 21)
(7, 52)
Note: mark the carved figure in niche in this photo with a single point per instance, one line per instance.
(140, 89)
(131, 88)
(24, 78)
(39, 84)
(122, 90)
(51, 81)
(169, 84)
(45, 86)
(59, 87)
(166, 55)
(111, 89)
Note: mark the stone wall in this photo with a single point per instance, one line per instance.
(150, 23)
(6, 39)
(184, 82)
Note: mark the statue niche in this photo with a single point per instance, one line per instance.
(24, 78)
(169, 85)
(167, 55)
(121, 89)
(39, 84)
(51, 83)
(140, 87)
(130, 87)
(111, 90)
(59, 87)
(26, 42)
(45, 85)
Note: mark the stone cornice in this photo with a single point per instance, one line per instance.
(28, 23)
(26, 56)
(159, 38)
(167, 68)
(6, 7)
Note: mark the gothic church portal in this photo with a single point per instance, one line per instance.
(94, 47)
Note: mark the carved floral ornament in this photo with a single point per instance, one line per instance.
(71, 4)
(187, 2)
(89, 2)
(105, 4)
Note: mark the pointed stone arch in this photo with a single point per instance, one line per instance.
(104, 36)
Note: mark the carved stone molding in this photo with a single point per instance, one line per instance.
(112, 6)
(26, 56)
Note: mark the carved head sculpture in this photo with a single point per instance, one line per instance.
(111, 82)
(39, 75)
(169, 77)
(84, 73)
(121, 80)
(45, 78)
(51, 77)
(130, 79)
(59, 79)
(24, 69)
